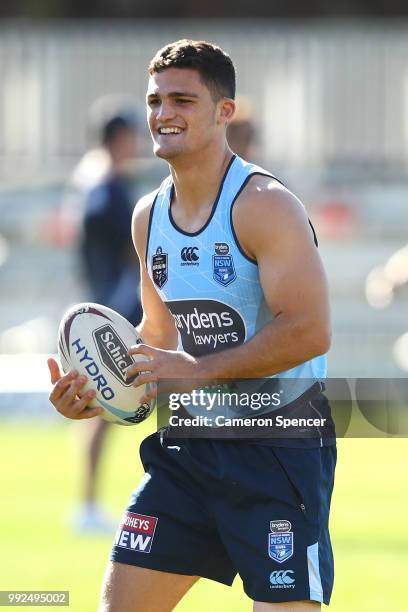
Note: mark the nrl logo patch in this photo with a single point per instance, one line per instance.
(223, 265)
(160, 268)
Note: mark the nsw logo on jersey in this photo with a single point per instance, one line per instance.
(223, 264)
(160, 268)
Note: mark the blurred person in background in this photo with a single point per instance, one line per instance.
(385, 283)
(241, 129)
(100, 204)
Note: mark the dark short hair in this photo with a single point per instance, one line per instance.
(109, 115)
(214, 65)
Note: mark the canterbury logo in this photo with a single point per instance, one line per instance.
(282, 577)
(189, 254)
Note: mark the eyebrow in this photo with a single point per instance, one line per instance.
(174, 94)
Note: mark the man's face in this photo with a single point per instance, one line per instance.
(125, 144)
(183, 118)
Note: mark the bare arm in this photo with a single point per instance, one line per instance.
(277, 234)
(157, 327)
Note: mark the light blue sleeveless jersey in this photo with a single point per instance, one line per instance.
(208, 283)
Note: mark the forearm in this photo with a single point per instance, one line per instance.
(157, 335)
(279, 346)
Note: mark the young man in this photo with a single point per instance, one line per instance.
(228, 254)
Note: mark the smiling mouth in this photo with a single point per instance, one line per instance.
(164, 131)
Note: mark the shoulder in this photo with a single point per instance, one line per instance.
(144, 206)
(266, 211)
(140, 220)
(266, 195)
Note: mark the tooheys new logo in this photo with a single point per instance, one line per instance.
(136, 532)
(206, 326)
(113, 353)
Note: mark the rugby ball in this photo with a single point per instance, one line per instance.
(94, 340)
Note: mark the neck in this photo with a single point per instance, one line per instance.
(197, 180)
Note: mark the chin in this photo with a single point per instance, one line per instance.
(166, 154)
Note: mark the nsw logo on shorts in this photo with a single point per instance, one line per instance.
(136, 532)
(280, 546)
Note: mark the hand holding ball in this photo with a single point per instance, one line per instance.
(94, 340)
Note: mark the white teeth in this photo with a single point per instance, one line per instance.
(170, 130)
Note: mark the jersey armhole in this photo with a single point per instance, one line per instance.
(314, 233)
(244, 184)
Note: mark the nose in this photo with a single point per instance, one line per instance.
(165, 111)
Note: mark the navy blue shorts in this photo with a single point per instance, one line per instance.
(215, 508)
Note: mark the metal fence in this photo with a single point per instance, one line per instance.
(328, 97)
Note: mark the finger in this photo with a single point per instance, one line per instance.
(89, 413)
(143, 379)
(65, 403)
(142, 349)
(140, 366)
(75, 406)
(81, 410)
(61, 386)
(54, 370)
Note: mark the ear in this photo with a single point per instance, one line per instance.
(226, 110)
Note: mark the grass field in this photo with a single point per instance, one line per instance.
(39, 479)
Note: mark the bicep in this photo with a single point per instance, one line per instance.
(292, 277)
(291, 272)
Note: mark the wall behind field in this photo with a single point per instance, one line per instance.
(330, 104)
(330, 98)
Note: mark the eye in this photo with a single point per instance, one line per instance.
(153, 101)
(182, 101)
